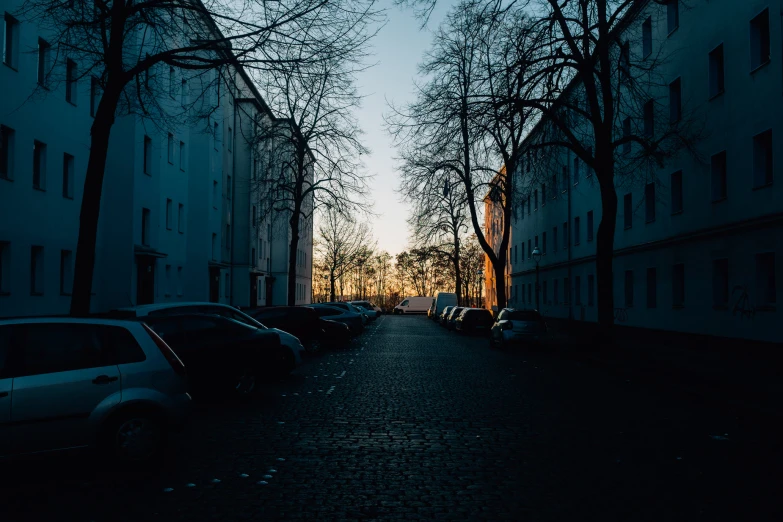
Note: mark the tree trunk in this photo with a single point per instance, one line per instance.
(605, 254)
(457, 271)
(292, 257)
(91, 204)
(332, 295)
(500, 282)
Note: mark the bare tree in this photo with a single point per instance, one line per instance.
(123, 44)
(340, 240)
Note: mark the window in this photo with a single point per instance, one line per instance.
(590, 225)
(649, 118)
(145, 226)
(628, 288)
(228, 187)
(765, 279)
(565, 235)
(528, 206)
(182, 156)
(230, 138)
(672, 15)
(5, 267)
(555, 292)
(652, 288)
(253, 256)
(179, 280)
(554, 239)
(171, 82)
(590, 290)
(566, 292)
(95, 89)
(227, 286)
(718, 172)
(626, 135)
(148, 72)
(627, 211)
(523, 251)
(529, 293)
(576, 171)
(39, 165)
(720, 283)
(543, 243)
(676, 192)
(170, 148)
(43, 61)
(625, 61)
(675, 100)
(11, 41)
(169, 217)
(167, 283)
(215, 136)
(37, 270)
(147, 155)
(649, 202)
(647, 37)
(678, 285)
(183, 92)
(717, 71)
(214, 194)
(7, 139)
(70, 81)
(576, 230)
(181, 219)
(759, 40)
(554, 185)
(214, 246)
(543, 194)
(529, 249)
(565, 178)
(535, 199)
(762, 159)
(228, 237)
(578, 290)
(67, 176)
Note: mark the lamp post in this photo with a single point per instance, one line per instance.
(537, 258)
(480, 275)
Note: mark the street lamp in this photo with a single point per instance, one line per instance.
(480, 275)
(537, 258)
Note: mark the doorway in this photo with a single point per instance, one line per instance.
(253, 290)
(214, 284)
(145, 280)
(268, 282)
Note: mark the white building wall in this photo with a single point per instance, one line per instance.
(748, 222)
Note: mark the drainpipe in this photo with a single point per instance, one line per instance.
(233, 199)
(570, 187)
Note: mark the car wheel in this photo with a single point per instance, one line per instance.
(134, 437)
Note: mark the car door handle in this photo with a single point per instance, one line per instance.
(103, 379)
(3, 394)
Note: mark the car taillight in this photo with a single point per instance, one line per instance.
(168, 353)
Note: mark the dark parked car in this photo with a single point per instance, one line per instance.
(518, 326)
(300, 321)
(452, 317)
(474, 321)
(444, 315)
(222, 354)
(352, 319)
(334, 333)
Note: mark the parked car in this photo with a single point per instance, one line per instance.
(442, 300)
(352, 319)
(335, 334)
(368, 305)
(371, 314)
(300, 321)
(444, 315)
(69, 383)
(348, 307)
(474, 321)
(221, 354)
(526, 327)
(452, 317)
(291, 342)
(414, 305)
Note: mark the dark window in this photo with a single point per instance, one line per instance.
(67, 176)
(565, 235)
(720, 282)
(675, 100)
(718, 172)
(43, 61)
(590, 225)
(147, 155)
(70, 81)
(543, 194)
(676, 189)
(647, 37)
(39, 165)
(759, 40)
(590, 290)
(672, 15)
(6, 152)
(566, 291)
(145, 226)
(170, 148)
(535, 199)
(578, 291)
(523, 250)
(11, 41)
(169, 210)
(554, 239)
(649, 118)
(649, 202)
(628, 288)
(626, 134)
(565, 178)
(765, 279)
(576, 171)
(52, 348)
(717, 71)
(576, 230)
(529, 249)
(627, 211)
(762, 159)
(652, 288)
(678, 285)
(625, 61)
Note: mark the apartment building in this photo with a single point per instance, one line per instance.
(699, 241)
(171, 195)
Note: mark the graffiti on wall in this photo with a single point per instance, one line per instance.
(742, 305)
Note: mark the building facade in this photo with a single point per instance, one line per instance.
(698, 242)
(177, 219)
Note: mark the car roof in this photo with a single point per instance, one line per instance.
(67, 320)
(145, 309)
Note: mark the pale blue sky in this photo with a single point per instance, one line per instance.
(398, 49)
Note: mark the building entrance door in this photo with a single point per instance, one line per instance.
(145, 280)
(214, 284)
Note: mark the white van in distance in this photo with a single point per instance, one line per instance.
(414, 305)
(442, 300)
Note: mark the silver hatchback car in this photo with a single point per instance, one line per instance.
(69, 383)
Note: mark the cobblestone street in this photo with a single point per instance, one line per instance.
(414, 422)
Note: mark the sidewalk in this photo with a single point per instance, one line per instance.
(738, 374)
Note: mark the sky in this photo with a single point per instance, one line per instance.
(398, 49)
